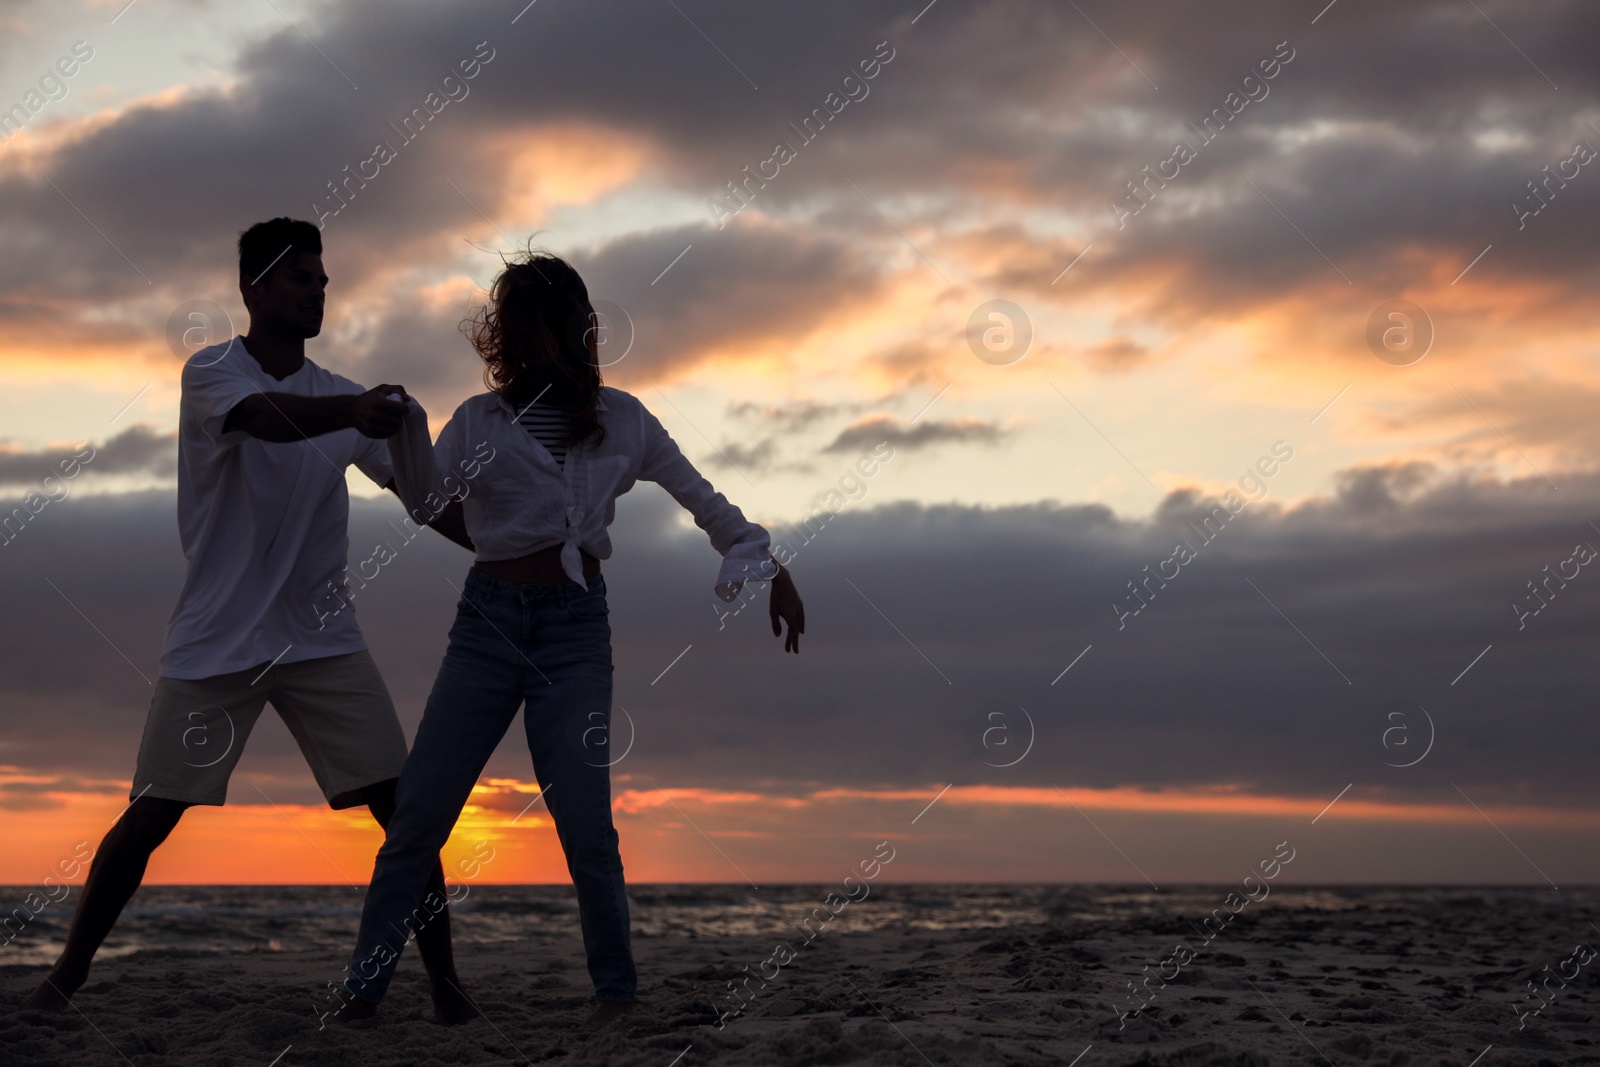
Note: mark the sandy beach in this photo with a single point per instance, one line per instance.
(1410, 978)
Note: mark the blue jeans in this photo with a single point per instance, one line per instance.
(548, 646)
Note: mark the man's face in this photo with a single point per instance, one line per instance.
(293, 295)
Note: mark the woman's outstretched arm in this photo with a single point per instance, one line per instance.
(745, 546)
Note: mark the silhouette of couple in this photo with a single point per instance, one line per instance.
(526, 476)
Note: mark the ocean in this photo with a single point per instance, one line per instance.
(233, 920)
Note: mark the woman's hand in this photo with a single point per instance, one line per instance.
(785, 605)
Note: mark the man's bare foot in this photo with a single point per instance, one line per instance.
(451, 1006)
(606, 1011)
(342, 1006)
(53, 994)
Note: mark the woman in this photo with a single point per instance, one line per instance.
(541, 458)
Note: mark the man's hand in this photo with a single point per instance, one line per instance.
(375, 415)
(785, 605)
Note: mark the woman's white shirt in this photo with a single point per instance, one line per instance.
(518, 500)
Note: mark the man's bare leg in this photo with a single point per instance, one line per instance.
(115, 874)
(433, 937)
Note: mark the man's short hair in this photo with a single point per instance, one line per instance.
(263, 246)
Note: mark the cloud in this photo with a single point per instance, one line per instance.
(1045, 114)
(922, 621)
(750, 294)
(136, 450)
(761, 457)
(1117, 355)
(21, 792)
(746, 300)
(1220, 800)
(795, 416)
(787, 420)
(1385, 488)
(1400, 170)
(1538, 410)
(873, 429)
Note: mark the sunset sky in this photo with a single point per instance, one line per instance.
(1180, 323)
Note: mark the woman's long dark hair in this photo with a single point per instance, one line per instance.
(534, 338)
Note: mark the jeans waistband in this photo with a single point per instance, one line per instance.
(486, 589)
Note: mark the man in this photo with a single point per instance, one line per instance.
(264, 438)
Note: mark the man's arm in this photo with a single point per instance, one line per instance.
(287, 417)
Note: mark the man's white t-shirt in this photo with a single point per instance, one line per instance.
(264, 524)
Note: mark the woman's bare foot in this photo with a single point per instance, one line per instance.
(54, 993)
(451, 1006)
(606, 1011)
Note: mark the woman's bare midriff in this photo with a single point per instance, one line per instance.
(539, 568)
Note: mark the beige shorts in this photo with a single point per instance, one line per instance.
(337, 708)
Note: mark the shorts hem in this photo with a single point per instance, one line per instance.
(350, 796)
(157, 793)
(223, 670)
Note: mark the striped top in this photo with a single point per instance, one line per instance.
(549, 426)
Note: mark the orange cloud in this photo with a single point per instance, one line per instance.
(562, 163)
(264, 844)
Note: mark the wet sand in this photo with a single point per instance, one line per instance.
(1406, 978)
